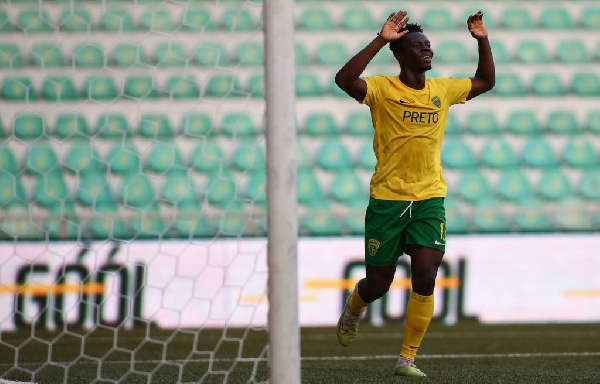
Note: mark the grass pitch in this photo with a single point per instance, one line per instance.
(464, 353)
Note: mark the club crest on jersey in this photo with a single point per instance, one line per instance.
(373, 246)
(436, 101)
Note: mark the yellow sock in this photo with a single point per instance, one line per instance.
(356, 304)
(419, 311)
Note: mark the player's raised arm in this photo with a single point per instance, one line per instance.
(348, 78)
(485, 75)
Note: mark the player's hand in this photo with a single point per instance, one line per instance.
(390, 30)
(476, 26)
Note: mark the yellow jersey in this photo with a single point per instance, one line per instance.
(409, 129)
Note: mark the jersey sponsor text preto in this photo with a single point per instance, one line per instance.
(420, 117)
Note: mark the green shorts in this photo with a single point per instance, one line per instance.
(390, 226)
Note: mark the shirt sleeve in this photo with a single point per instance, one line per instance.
(457, 90)
(374, 90)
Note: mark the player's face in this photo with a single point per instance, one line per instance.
(416, 52)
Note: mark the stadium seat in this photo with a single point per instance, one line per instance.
(307, 85)
(117, 20)
(309, 192)
(556, 18)
(366, 157)
(17, 225)
(59, 89)
(513, 185)
(71, 126)
(256, 188)
(224, 85)
(123, 159)
(157, 20)
(189, 225)
(523, 122)
(198, 19)
(11, 190)
(456, 154)
(320, 124)
(238, 20)
(593, 121)
(572, 51)
(456, 220)
(8, 162)
(140, 87)
(207, 157)
(554, 185)
(303, 157)
(238, 124)
(47, 55)
(453, 52)
(211, 54)
(137, 191)
(179, 189)
(233, 221)
(221, 190)
(580, 153)
(88, 55)
(482, 122)
(11, 56)
(501, 55)
(129, 54)
(83, 159)
(335, 90)
(249, 53)
(573, 215)
(590, 17)
(562, 122)
(170, 54)
(301, 54)
(354, 221)
(75, 20)
(347, 187)
(196, 124)
(29, 126)
(164, 158)
(547, 84)
(17, 88)
(509, 85)
(489, 216)
(248, 157)
(537, 153)
(498, 154)
(516, 18)
(106, 225)
(320, 223)
(532, 52)
(586, 84)
(473, 187)
(333, 155)
(112, 126)
(359, 124)
(154, 126)
(437, 19)
(316, 19)
(332, 53)
(50, 190)
(5, 24)
(256, 85)
(183, 87)
(589, 186)
(35, 21)
(100, 88)
(357, 19)
(531, 217)
(40, 159)
(452, 126)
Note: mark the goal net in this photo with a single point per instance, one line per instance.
(132, 192)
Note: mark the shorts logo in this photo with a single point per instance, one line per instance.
(436, 101)
(373, 246)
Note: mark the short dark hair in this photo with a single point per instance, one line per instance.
(396, 45)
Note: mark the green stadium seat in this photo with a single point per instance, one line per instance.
(189, 225)
(17, 88)
(238, 124)
(452, 126)
(40, 159)
(17, 225)
(71, 126)
(332, 53)
(320, 124)
(590, 17)
(196, 124)
(335, 90)
(158, 20)
(467, 11)
(149, 225)
(238, 20)
(256, 85)
(333, 155)
(501, 55)
(198, 19)
(183, 87)
(249, 53)
(589, 186)
(556, 18)
(554, 185)
(547, 84)
(47, 55)
(29, 126)
(170, 55)
(357, 19)
(366, 157)
(316, 19)
(509, 85)
(207, 157)
(303, 156)
(248, 157)
(59, 88)
(140, 87)
(354, 223)
(63, 228)
(100, 88)
(50, 190)
(123, 159)
(129, 54)
(88, 55)
(532, 52)
(112, 126)
(137, 191)
(438, 19)
(8, 162)
(580, 153)
(456, 220)
(11, 190)
(35, 21)
(309, 191)
(5, 24)
(586, 84)
(221, 190)
(473, 187)
(562, 122)
(256, 188)
(593, 121)
(75, 20)
(513, 185)
(573, 215)
(359, 124)
(523, 122)
(83, 159)
(537, 153)
(179, 189)
(307, 85)
(516, 19)
(233, 221)
(347, 187)
(572, 51)
(211, 54)
(490, 217)
(106, 225)
(117, 20)
(482, 123)
(531, 217)
(301, 54)
(320, 223)
(498, 154)
(383, 57)
(224, 85)
(165, 157)
(453, 52)
(11, 56)
(154, 126)
(456, 154)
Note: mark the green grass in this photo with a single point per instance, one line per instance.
(466, 353)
